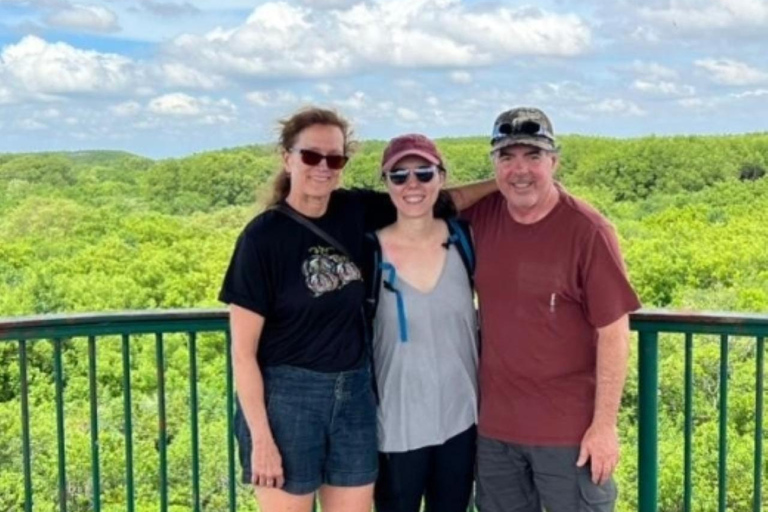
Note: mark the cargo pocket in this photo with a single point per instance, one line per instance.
(596, 498)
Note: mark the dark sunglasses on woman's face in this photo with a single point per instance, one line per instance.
(423, 174)
(310, 157)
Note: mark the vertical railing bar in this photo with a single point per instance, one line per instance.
(25, 442)
(60, 435)
(127, 412)
(193, 421)
(648, 455)
(162, 433)
(757, 498)
(688, 439)
(722, 471)
(93, 395)
(230, 425)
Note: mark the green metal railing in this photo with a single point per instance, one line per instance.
(650, 325)
(92, 328)
(59, 328)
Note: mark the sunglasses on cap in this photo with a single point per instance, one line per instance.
(399, 176)
(531, 128)
(313, 158)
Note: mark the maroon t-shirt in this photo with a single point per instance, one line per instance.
(544, 289)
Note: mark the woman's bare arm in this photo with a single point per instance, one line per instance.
(266, 463)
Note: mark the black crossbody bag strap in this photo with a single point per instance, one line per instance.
(316, 230)
(367, 330)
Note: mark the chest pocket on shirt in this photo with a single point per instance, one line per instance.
(542, 293)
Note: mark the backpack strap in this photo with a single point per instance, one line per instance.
(372, 274)
(374, 271)
(460, 235)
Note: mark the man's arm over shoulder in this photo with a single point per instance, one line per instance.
(464, 196)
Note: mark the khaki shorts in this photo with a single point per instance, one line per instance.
(521, 478)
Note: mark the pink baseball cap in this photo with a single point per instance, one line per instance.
(412, 144)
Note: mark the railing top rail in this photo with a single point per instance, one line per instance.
(706, 322)
(179, 320)
(106, 323)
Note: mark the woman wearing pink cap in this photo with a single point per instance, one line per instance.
(424, 338)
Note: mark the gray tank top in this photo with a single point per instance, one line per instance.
(428, 383)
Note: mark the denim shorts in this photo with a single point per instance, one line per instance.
(324, 425)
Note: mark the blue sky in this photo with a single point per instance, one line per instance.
(173, 77)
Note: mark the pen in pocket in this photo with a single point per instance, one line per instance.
(552, 300)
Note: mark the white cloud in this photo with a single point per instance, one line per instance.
(731, 72)
(460, 77)
(272, 98)
(58, 68)
(653, 71)
(407, 114)
(506, 32)
(750, 94)
(31, 125)
(617, 106)
(125, 109)
(169, 9)
(279, 39)
(701, 104)
(356, 101)
(645, 35)
(663, 88)
(324, 88)
(407, 83)
(704, 15)
(6, 96)
(327, 4)
(175, 104)
(566, 91)
(49, 113)
(182, 105)
(177, 74)
(91, 18)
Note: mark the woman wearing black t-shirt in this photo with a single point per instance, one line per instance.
(306, 415)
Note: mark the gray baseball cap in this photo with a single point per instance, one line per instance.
(523, 125)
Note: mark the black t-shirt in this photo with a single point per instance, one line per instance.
(309, 294)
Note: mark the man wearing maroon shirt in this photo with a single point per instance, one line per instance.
(554, 303)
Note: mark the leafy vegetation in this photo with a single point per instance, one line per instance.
(98, 231)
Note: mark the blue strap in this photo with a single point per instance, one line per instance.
(389, 284)
(459, 235)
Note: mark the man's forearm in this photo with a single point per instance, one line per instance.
(612, 356)
(465, 196)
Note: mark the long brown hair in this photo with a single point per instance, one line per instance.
(291, 127)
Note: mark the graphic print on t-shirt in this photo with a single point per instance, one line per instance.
(325, 271)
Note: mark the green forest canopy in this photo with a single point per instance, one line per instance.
(97, 231)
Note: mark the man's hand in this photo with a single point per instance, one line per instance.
(266, 463)
(600, 444)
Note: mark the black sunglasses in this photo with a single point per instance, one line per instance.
(423, 174)
(310, 157)
(531, 128)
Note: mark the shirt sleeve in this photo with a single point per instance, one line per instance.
(247, 282)
(377, 207)
(608, 293)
